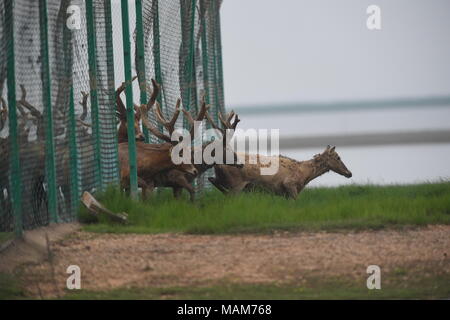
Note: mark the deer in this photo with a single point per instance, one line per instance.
(85, 148)
(178, 180)
(31, 157)
(289, 181)
(152, 158)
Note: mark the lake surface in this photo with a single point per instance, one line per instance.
(393, 164)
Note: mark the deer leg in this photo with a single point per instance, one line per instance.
(146, 187)
(183, 183)
(177, 192)
(125, 186)
(191, 191)
(236, 189)
(291, 190)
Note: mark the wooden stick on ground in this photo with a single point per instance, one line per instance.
(97, 208)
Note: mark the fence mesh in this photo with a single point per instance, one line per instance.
(178, 58)
(58, 130)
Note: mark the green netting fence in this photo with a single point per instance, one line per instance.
(60, 63)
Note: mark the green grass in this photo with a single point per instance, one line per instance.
(5, 236)
(348, 207)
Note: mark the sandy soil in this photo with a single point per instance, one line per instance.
(111, 261)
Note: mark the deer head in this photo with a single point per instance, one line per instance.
(122, 115)
(332, 161)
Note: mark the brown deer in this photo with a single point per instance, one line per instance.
(178, 180)
(290, 179)
(152, 158)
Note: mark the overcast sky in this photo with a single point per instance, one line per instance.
(314, 50)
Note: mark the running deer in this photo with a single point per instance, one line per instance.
(290, 179)
(152, 158)
(178, 180)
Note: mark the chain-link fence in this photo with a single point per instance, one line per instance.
(58, 73)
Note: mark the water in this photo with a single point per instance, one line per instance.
(393, 164)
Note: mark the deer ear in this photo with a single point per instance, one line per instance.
(332, 149)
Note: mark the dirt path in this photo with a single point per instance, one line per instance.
(111, 261)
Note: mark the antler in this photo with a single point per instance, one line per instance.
(200, 116)
(226, 122)
(84, 105)
(169, 125)
(145, 108)
(155, 93)
(34, 112)
(38, 116)
(3, 113)
(83, 115)
(121, 109)
(87, 125)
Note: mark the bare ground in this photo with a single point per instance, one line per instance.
(110, 261)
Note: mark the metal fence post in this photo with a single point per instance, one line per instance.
(157, 54)
(92, 55)
(110, 62)
(47, 102)
(189, 74)
(129, 100)
(218, 53)
(140, 59)
(204, 39)
(73, 154)
(157, 46)
(212, 18)
(15, 177)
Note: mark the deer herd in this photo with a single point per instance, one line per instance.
(155, 167)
